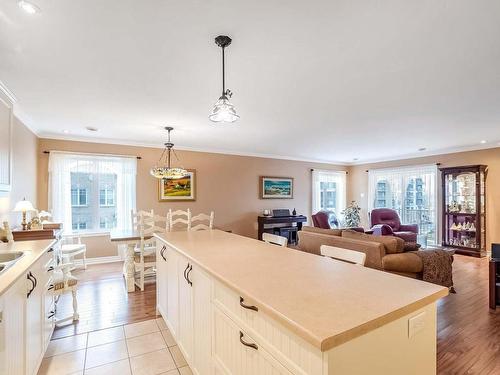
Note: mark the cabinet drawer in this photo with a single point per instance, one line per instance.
(48, 314)
(299, 356)
(235, 352)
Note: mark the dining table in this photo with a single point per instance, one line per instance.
(131, 239)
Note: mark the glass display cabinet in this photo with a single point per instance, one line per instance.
(464, 209)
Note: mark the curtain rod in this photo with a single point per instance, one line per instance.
(438, 164)
(328, 170)
(90, 153)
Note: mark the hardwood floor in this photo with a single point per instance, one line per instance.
(103, 301)
(468, 331)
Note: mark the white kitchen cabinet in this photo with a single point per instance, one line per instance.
(186, 337)
(172, 317)
(162, 278)
(237, 353)
(34, 319)
(12, 343)
(202, 321)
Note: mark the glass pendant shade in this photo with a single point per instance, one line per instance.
(223, 111)
(168, 173)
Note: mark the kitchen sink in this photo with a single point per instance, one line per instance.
(10, 257)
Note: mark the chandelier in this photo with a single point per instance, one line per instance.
(166, 171)
(223, 110)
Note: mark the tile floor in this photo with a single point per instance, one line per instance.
(144, 348)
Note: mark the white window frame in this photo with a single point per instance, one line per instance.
(322, 175)
(61, 166)
(404, 171)
(79, 204)
(108, 193)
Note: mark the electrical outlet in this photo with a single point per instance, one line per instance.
(416, 324)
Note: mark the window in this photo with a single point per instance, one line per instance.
(328, 191)
(92, 192)
(411, 191)
(107, 197)
(78, 197)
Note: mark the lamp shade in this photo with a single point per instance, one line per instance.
(24, 206)
(223, 111)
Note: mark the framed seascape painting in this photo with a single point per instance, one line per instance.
(182, 189)
(276, 187)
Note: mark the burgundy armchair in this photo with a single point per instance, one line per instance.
(386, 222)
(323, 219)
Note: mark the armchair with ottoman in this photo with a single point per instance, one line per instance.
(386, 222)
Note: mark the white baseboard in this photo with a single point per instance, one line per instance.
(99, 260)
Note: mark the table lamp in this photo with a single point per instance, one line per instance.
(24, 206)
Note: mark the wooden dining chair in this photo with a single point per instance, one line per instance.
(179, 218)
(345, 255)
(274, 239)
(202, 218)
(145, 250)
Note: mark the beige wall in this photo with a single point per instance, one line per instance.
(226, 184)
(358, 182)
(24, 170)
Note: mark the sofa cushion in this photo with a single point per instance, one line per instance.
(404, 263)
(331, 232)
(393, 245)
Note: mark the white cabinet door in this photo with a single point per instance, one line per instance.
(202, 321)
(185, 338)
(161, 278)
(237, 353)
(173, 293)
(34, 318)
(12, 345)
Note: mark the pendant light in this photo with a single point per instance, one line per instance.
(167, 171)
(223, 110)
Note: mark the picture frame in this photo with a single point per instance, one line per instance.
(276, 187)
(178, 190)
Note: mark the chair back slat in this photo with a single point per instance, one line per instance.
(203, 218)
(274, 239)
(346, 255)
(184, 219)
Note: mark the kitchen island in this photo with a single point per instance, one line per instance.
(236, 305)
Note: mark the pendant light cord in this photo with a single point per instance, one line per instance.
(223, 73)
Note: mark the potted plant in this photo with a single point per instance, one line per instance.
(351, 215)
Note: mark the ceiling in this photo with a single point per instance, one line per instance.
(323, 80)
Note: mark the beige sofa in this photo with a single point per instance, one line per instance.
(382, 252)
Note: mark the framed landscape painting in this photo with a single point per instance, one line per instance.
(276, 187)
(181, 189)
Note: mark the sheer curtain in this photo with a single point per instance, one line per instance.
(120, 172)
(411, 191)
(328, 191)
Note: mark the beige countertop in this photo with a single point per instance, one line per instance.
(326, 302)
(33, 250)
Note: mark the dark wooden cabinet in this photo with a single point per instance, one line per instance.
(494, 279)
(464, 209)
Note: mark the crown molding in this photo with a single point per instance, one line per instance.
(416, 155)
(9, 94)
(437, 152)
(62, 137)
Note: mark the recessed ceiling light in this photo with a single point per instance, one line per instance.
(355, 159)
(28, 7)
(422, 149)
(483, 142)
(91, 129)
(65, 131)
